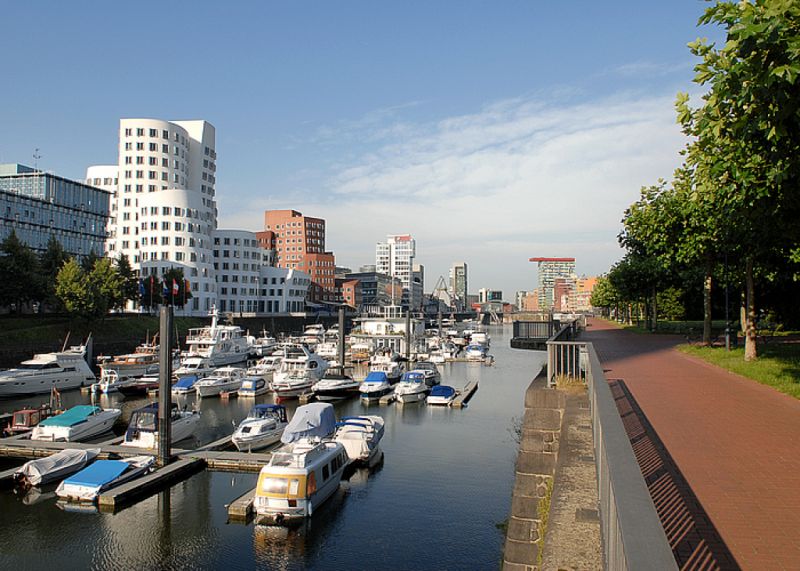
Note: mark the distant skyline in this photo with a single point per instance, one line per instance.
(492, 133)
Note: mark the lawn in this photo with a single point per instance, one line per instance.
(778, 364)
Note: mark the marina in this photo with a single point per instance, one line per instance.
(417, 468)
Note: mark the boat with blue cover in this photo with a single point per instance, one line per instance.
(263, 426)
(185, 385)
(442, 395)
(374, 386)
(101, 476)
(76, 424)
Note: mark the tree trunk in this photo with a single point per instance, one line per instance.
(750, 349)
(707, 283)
(655, 309)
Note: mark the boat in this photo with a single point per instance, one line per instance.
(263, 426)
(184, 386)
(143, 361)
(335, 386)
(361, 437)
(24, 419)
(430, 370)
(101, 476)
(302, 473)
(220, 344)
(264, 345)
(313, 334)
(54, 467)
(62, 370)
(387, 361)
(138, 387)
(442, 395)
(374, 386)
(475, 352)
(79, 423)
(412, 387)
(193, 365)
(480, 337)
(300, 369)
(224, 379)
(252, 386)
(265, 367)
(327, 350)
(108, 383)
(143, 427)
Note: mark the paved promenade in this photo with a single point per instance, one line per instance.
(735, 443)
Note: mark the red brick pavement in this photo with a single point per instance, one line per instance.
(736, 442)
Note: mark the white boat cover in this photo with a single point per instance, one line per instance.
(59, 465)
(315, 419)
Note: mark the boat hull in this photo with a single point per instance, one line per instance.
(96, 425)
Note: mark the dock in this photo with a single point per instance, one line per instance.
(145, 486)
(388, 399)
(465, 394)
(240, 510)
(231, 461)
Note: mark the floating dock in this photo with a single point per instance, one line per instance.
(465, 394)
(232, 461)
(388, 399)
(240, 510)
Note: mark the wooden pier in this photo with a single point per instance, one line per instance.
(240, 510)
(465, 394)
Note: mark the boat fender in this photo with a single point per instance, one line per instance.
(279, 518)
(310, 509)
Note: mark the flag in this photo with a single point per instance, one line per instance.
(165, 290)
(174, 287)
(141, 288)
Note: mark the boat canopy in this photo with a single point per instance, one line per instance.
(315, 419)
(267, 410)
(99, 473)
(186, 382)
(413, 377)
(71, 417)
(376, 377)
(442, 391)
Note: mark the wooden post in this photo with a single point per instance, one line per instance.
(165, 386)
(341, 338)
(408, 335)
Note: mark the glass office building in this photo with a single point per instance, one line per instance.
(37, 205)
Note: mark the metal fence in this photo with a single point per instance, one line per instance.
(633, 537)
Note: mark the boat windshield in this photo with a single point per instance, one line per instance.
(31, 366)
(145, 421)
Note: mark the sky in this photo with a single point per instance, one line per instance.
(492, 132)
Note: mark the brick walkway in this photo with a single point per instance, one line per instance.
(735, 442)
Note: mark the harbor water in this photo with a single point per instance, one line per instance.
(437, 501)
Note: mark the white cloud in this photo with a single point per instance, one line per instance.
(519, 178)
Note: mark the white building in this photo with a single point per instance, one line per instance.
(395, 257)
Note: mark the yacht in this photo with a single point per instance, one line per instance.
(143, 428)
(263, 426)
(300, 369)
(431, 372)
(66, 369)
(314, 334)
(224, 379)
(221, 344)
(143, 361)
(265, 367)
(304, 472)
(79, 423)
(195, 365)
(375, 386)
(386, 361)
(412, 387)
(264, 345)
(335, 386)
(361, 437)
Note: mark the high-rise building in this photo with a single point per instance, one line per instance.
(458, 284)
(395, 257)
(164, 212)
(299, 244)
(37, 205)
(551, 269)
(417, 291)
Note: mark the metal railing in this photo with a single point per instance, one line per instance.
(633, 536)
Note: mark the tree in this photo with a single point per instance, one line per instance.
(154, 291)
(19, 266)
(72, 289)
(105, 288)
(89, 260)
(50, 263)
(130, 283)
(604, 295)
(747, 133)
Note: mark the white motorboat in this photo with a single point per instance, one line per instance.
(335, 386)
(475, 352)
(184, 386)
(108, 383)
(76, 424)
(264, 345)
(221, 344)
(387, 361)
(361, 437)
(254, 385)
(263, 426)
(54, 467)
(143, 361)
(304, 472)
(143, 428)
(194, 365)
(101, 476)
(412, 387)
(265, 367)
(61, 370)
(224, 379)
(314, 334)
(327, 350)
(480, 337)
(375, 386)
(430, 370)
(300, 369)
(441, 395)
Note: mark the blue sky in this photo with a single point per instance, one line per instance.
(492, 131)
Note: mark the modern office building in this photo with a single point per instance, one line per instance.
(37, 205)
(549, 270)
(458, 284)
(486, 295)
(395, 257)
(417, 290)
(376, 290)
(299, 244)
